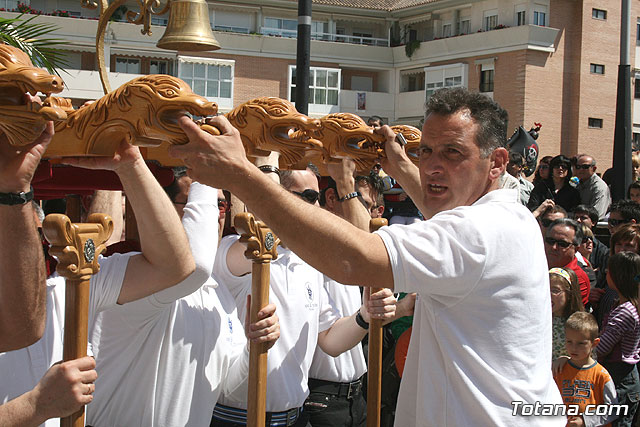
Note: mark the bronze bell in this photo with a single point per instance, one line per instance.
(188, 27)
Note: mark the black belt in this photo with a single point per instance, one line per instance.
(236, 415)
(347, 390)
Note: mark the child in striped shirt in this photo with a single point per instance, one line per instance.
(619, 347)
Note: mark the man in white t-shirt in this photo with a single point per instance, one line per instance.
(481, 335)
(165, 260)
(164, 359)
(307, 315)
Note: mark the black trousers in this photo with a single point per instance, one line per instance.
(325, 410)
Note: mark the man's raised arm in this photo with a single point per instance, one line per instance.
(22, 267)
(331, 245)
(166, 258)
(398, 165)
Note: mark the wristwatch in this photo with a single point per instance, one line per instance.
(360, 321)
(20, 198)
(350, 196)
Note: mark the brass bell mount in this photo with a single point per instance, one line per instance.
(188, 29)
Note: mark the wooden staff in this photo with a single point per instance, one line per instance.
(76, 246)
(261, 250)
(374, 374)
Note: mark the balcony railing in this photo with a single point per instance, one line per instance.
(339, 38)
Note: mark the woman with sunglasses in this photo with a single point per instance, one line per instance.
(556, 187)
(543, 170)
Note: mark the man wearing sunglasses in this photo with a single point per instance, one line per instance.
(560, 245)
(308, 315)
(593, 190)
(623, 212)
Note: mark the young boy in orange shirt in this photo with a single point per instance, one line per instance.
(583, 381)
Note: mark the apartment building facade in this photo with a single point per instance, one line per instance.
(547, 61)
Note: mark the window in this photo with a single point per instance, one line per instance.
(490, 20)
(211, 79)
(412, 80)
(160, 67)
(280, 27)
(319, 28)
(324, 85)
(127, 65)
(636, 88)
(366, 38)
(540, 15)
(453, 75)
(638, 33)
(413, 35)
(446, 30)
(465, 26)
(595, 123)
(598, 13)
(486, 81)
(597, 69)
(521, 18)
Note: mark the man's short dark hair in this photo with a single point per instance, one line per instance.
(628, 209)
(376, 119)
(589, 210)
(516, 158)
(374, 181)
(491, 118)
(567, 222)
(554, 209)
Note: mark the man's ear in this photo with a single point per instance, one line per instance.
(331, 199)
(499, 161)
(594, 168)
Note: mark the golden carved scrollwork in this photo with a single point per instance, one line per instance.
(261, 243)
(273, 124)
(21, 120)
(77, 245)
(412, 135)
(143, 112)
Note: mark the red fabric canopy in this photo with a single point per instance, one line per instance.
(56, 181)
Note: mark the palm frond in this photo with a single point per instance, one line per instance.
(31, 37)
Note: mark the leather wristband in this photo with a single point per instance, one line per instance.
(269, 168)
(21, 198)
(360, 321)
(350, 196)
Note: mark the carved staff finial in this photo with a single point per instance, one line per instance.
(76, 246)
(261, 242)
(261, 250)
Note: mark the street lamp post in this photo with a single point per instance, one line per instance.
(622, 135)
(303, 58)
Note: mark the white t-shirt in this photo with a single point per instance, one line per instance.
(163, 360)
(350, 365)
(482, 326)
(21, 370)
(302, 305)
